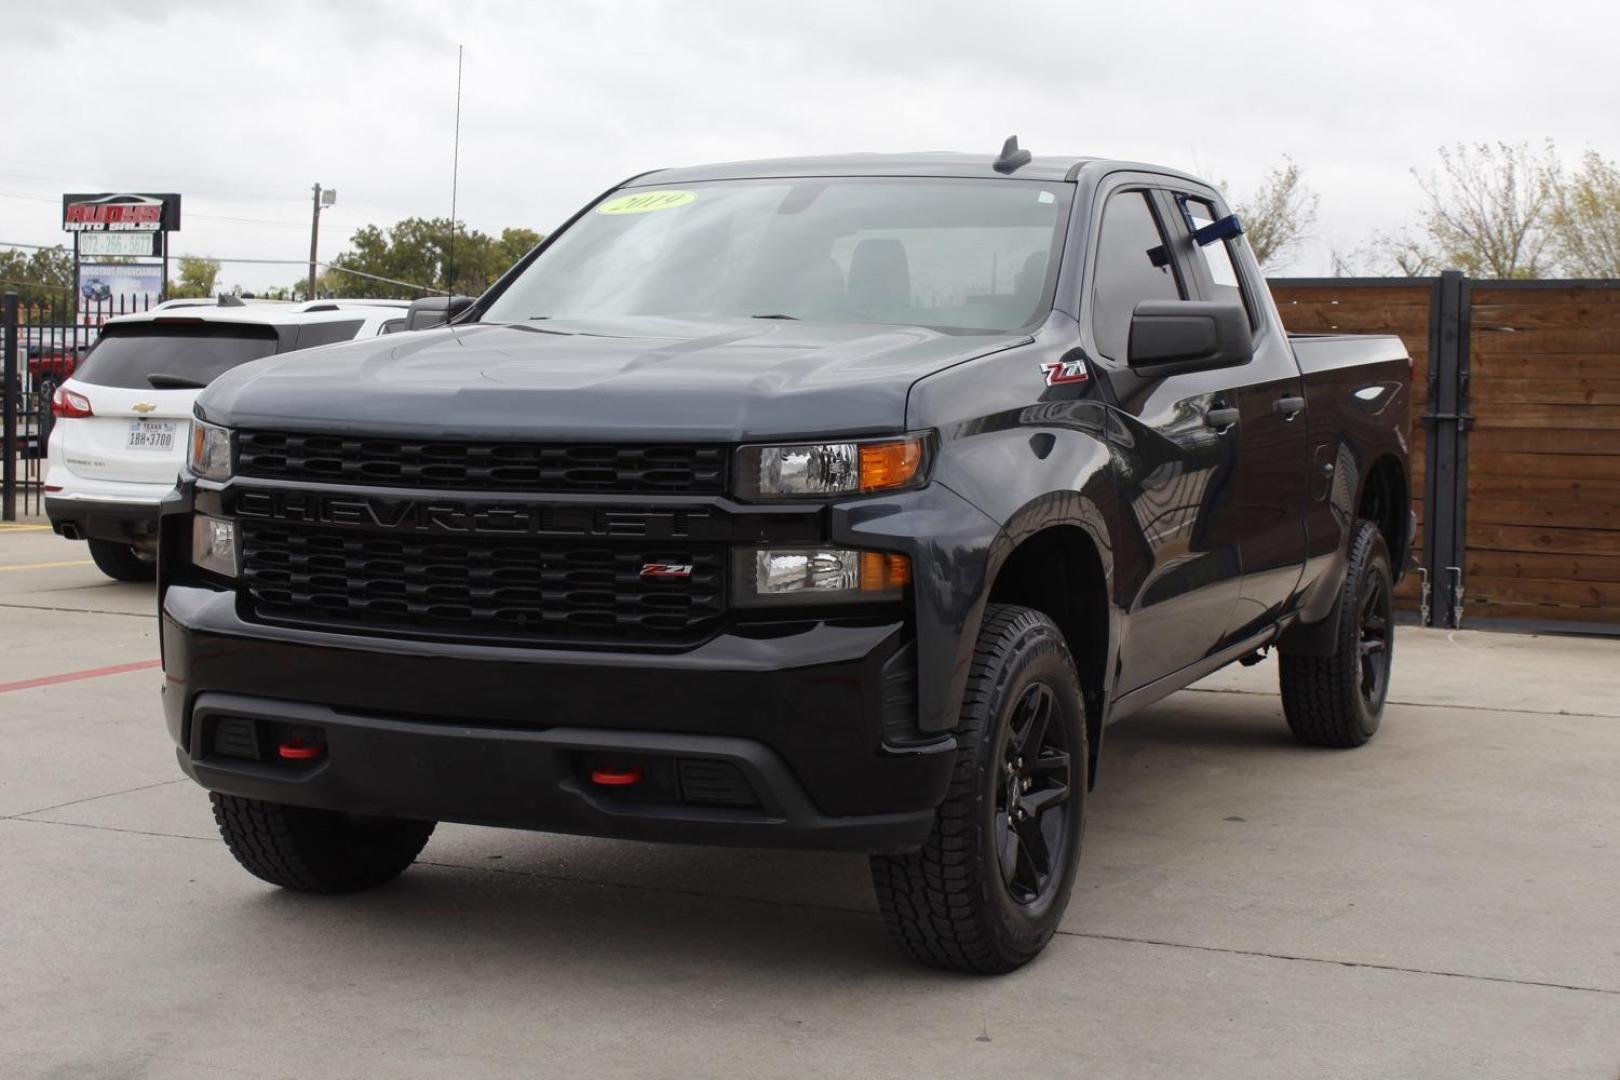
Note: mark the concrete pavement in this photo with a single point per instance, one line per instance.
(1442, 903)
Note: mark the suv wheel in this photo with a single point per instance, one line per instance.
(122, 562)
(989, 886)
(1337, 700)
(320, 851)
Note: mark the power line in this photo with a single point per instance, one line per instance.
(323, 266)
(200, 216)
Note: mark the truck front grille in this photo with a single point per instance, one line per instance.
(483, 588)
(483, 466)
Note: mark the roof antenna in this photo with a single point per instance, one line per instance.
(1012, 159)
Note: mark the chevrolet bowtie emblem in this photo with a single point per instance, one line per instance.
(143, 406)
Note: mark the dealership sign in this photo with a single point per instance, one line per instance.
(121, 212)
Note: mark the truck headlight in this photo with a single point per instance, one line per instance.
(818, 575)
(808, 470)
(210, 456)
(213, 544)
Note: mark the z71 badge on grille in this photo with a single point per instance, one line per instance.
(666, 570)
(1059, 372)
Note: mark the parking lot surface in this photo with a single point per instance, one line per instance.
(1444, 902)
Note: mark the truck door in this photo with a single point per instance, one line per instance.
(1177, 568)
(1269, 484)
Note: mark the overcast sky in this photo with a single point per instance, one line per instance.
(241, 108)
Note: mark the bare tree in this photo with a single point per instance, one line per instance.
(1488, 209)
(1278, 215)
(1584, 220)
(1398, 255)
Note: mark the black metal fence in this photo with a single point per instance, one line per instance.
(44, 333)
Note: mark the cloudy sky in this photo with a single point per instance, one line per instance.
(241, 108)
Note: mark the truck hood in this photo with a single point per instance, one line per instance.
(731, 380)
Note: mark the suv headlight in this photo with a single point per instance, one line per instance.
(809, 470)
(818, 575)
(210, 455)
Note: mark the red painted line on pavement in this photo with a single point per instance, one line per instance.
(74, 676)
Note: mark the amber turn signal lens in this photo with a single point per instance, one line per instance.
(882, 571)
(890, 464)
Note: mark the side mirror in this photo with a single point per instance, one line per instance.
(435, 311)
(1169, 337)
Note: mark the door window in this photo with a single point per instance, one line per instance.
(1133, 265)
(1220, 261)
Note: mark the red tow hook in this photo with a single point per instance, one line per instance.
(298, 748)
(611, 777)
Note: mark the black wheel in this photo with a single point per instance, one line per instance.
(1337, 699)
(986, 891)
(317, 850)
(122, 562)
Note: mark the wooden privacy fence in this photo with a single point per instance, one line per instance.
(1515, 441)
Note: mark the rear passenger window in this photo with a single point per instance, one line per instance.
(1132, 266)
(325, 333)
(1220, 261)
(180, 348)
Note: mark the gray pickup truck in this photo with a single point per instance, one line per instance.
(832, 503)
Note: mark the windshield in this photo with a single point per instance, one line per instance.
(955, 254)
(199, 353)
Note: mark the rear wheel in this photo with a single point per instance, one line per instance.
(1337, 699)
(122, 562)
(320, 851)
(988, 888)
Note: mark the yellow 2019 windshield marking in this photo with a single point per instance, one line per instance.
(644, 202)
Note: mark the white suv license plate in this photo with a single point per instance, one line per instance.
(151, 435)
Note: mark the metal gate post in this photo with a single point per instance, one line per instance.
(1445, 491)
(11, 407)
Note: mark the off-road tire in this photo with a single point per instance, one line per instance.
(949, 904)
(1324, 695)
(319, 851)
(122, 562)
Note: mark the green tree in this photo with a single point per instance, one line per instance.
(197, 278)
(42, 278)
(1584, 221)
(426, 254)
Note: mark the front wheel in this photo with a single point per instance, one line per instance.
(1337, 699)
(989, 886)
(319, 851)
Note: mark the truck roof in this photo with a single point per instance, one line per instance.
(941, 163)
(1048, 168)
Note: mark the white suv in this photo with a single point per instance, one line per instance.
(123, 418)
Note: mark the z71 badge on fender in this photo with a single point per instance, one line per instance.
(1059, 372)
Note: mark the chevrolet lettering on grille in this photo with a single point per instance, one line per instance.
(450, 516)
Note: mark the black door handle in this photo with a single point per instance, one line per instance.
(1221, 419)
(1290, 407)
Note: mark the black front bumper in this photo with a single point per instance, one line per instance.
(135, 524)
(769, 739)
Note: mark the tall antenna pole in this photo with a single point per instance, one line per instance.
(455, 175)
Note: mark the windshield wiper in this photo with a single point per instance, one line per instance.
(790, 318)
(159, 381)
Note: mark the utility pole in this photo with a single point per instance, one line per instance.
(322, 198)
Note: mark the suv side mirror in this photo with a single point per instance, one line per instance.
(435, 311)
(1169, 337)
